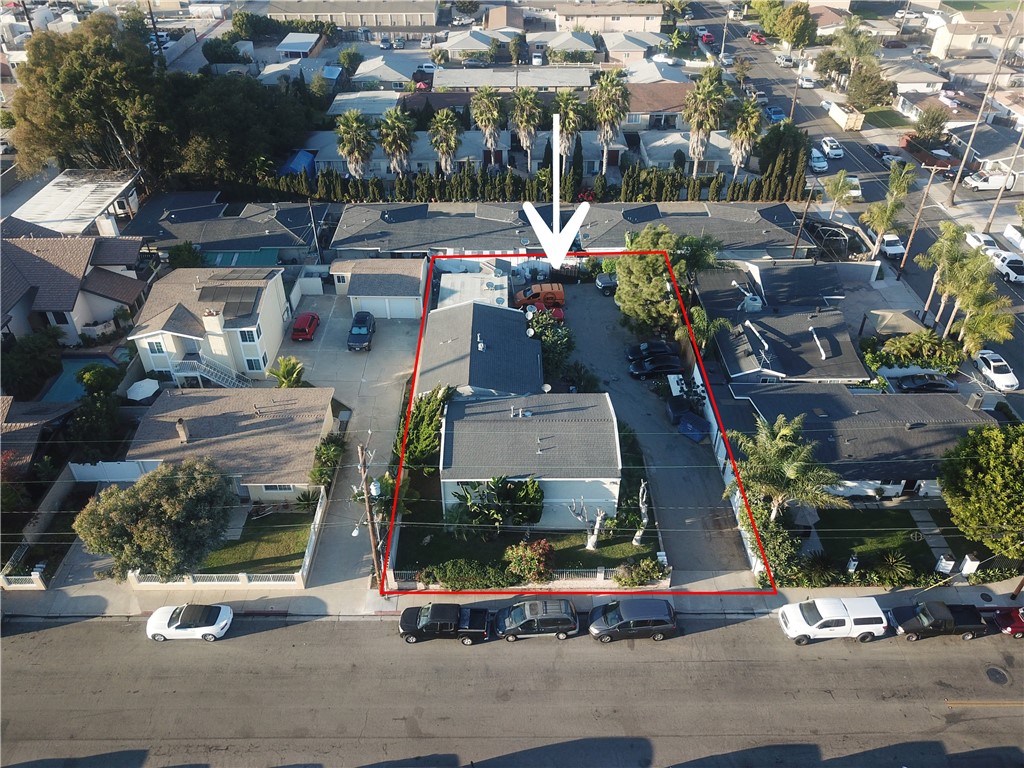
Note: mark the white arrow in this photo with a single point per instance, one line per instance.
(556, 241)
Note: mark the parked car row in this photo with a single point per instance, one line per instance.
(629, 619)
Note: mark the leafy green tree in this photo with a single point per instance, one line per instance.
(13, 496)
(524, 118)
(786, 140)
(355, 141)
(396, 135)
(485, 104)
(857, 44)
(831, 63)
(610, 101)
(868, 88)
(99, 379)
(901, 179)
(768, 12)
(30, 362)
(444, 133)
(702, 109)
(642, 295)
(704, 327)
(881, 218)
(839, 188)
(184, 255)
(741, 69)
(779, 467)
(557, 344)
(531, 561)
(517, 47)
(931, 126)
(95, 426)
(320, 89)
(289, 373)
(424, 430)
(7, 119)
(217, 50)
(90, 98)
(988, 319)
(467, 7)
(166, 523)
(744, 133)
(349, 59)
(982, 481)
(796, 26)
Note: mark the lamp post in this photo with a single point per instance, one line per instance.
(371, 518)
(933, 169)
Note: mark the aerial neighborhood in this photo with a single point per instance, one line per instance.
(287, 331)
(271, 264)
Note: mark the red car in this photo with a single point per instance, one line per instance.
(1010, 621)
(305, 326)
(707, 39)
(757, 38)
(556, 312)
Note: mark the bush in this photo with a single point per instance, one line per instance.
(530, 560)
(992, 575)
(893, 570)
(640, 573)
(466, 574)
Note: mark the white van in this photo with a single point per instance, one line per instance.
(826, 617)
(537, 60)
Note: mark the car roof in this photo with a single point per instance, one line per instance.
(835, 607)
(644, 608)
(202, 615)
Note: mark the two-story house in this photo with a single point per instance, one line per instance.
(609, 17)
(213, 326)
(971, 34)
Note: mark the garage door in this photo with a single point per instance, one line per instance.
(388, 307)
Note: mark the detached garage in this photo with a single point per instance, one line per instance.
(389, 288)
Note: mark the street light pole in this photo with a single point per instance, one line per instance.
(917, 218)
(371, 518)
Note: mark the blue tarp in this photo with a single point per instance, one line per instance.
(694, 427)
(301, 161)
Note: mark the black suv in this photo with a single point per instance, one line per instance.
(531, 618)
(360, 335)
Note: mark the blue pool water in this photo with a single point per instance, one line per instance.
(66, 388)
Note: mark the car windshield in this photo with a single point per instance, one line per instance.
(516, 616)
(612, 614)
(810, 613)
(175, 616)
(424, 614)
(360, 330)
(926, 618)
(998, 366)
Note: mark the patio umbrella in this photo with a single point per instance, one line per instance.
(806, 516)
(142, 389)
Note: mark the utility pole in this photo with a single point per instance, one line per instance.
(933, 169)
(725, 34)
(1002, 190)
(371, 518)
(984, 104)
(803, 219)
(796, 90)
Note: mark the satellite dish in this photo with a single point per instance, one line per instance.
(530, 314)
(489, 285)
(498, 273)
(499, 300)
(530, 332)
(546, 388)
(524, 241)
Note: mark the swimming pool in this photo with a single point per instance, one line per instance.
(66, 389)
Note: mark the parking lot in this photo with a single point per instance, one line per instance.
(698, 528)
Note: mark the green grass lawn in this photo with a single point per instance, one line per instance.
(980, 5)
(870, 532)
(571, 552)
(275, 543)
(885, 117)
(958, 543)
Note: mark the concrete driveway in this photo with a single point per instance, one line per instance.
(698, 528)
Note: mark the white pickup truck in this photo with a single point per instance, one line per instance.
(1009, 265)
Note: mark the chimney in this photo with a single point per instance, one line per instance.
(182, 428)
(213, 321)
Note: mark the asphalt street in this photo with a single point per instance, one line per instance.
(353, 694)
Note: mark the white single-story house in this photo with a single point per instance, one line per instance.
(386, 288)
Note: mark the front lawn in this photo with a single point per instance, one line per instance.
(869, 533)
(885, 117)
(571, 552)
(959, 544)
(274, 543)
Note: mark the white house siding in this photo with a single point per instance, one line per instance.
(389, 307)
(604, 24)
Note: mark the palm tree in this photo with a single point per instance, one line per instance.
(524, 118)
(901, 179)
(288, 373)
(944, 252)
(485, 104)
(567, 105)
(880, 218)
(838, 188)
(397, 134)
(855, 43)
(355, 141)
(444, 131)
(780, 467)
(744, 133)
(704, 328)
(611, 103)
(970, 281)
(987, 321)
(702, 109)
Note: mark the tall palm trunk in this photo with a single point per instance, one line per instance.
(952, 317)
(931, 293)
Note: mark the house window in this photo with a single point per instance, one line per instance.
(259, 331)
(984, 40)
(60, 318)
(253, 364)
(538, 47)
(264, 359)
(156, 347)
(616, 18)
(341, 279)
(287, 488)
(649, 18)
(633, 118)
(248, 337)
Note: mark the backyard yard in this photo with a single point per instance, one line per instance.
(274, 543)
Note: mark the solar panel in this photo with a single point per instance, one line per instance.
(239, 301)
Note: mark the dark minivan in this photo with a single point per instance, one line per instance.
(639, 617)
(531, 618)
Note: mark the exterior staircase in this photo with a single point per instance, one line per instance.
(197, 365)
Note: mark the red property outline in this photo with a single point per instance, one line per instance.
(714, 407)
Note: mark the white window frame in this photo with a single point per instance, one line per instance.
(279, 488)
(155, 347)
(253, 364)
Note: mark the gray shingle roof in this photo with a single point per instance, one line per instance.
(381, 277)
(21, 424)
(175, 306)
(12, 226)
(116, 251)
(510, 362)
(866, 436)
(113, 286)
(267, 436)
(55, 266)
(558, 436)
